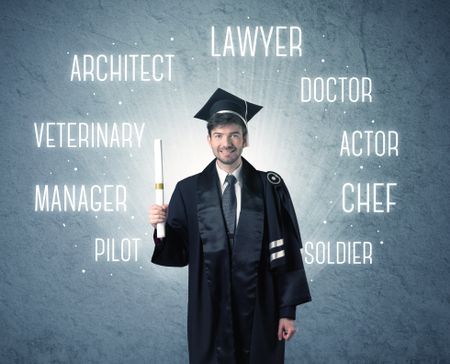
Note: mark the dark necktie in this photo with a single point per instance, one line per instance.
(229, 204)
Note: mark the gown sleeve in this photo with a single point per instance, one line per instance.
(290, 278)
(172, 250)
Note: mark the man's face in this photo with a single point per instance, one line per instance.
(227, 143)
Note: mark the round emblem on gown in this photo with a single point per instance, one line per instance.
(273, 178)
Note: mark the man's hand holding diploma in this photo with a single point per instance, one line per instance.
(157, 214)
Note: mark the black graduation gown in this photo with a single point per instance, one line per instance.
(236, 296)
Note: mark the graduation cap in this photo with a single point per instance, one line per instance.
(222, 102)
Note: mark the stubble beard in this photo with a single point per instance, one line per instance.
(229, 161)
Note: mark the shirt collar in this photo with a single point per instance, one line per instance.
(223, 174)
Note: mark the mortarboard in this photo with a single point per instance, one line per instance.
(222, 102)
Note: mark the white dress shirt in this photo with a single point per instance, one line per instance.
(237, 186)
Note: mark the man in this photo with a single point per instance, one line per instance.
(236, 229)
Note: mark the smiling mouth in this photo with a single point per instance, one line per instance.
(228, 151)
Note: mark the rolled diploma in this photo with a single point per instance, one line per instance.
(159, 184)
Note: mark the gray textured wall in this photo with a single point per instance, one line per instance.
(59, 305)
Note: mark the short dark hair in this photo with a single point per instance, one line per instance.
(225, 119)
